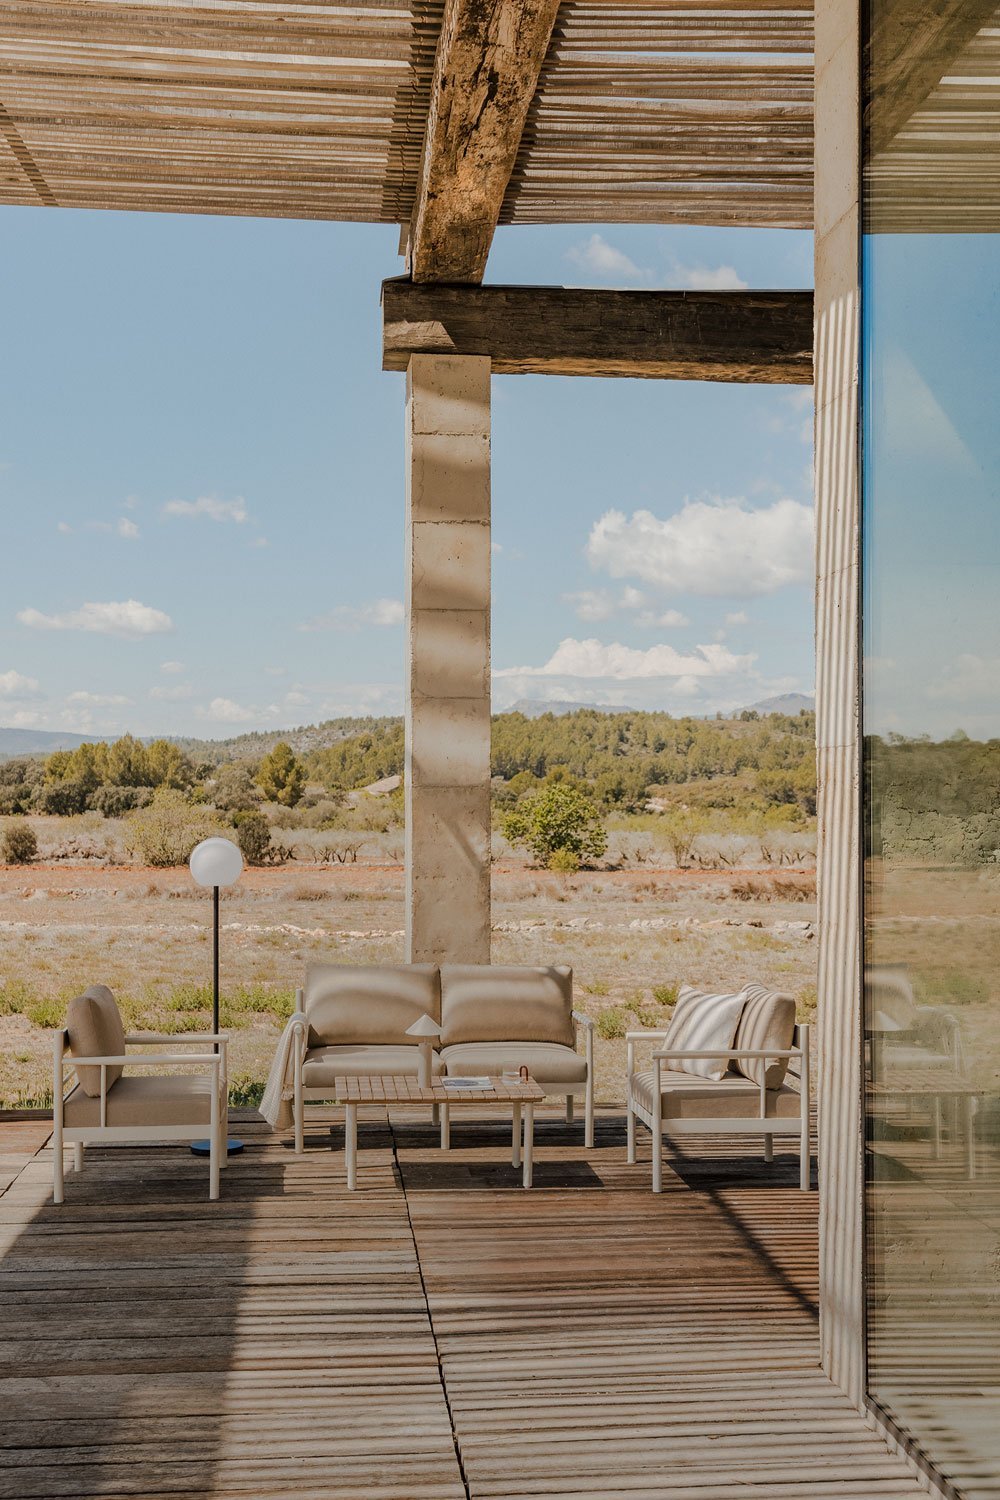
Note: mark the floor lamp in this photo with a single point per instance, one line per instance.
(215, 862)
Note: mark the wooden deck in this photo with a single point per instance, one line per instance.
(439, 1333)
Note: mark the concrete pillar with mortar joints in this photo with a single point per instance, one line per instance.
(447, 770)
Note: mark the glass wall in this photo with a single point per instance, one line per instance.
(931, 610)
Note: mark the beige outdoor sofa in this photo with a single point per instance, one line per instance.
(355, 1020)
(757, 1064)
(110, 1104)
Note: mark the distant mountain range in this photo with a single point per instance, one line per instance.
(308, 737)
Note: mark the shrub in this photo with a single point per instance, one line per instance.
(20, 844)
(61, 799)
(165, 832)
(253, 834)
(564, 861)
(612, 1023)
(235, 788)
(559, 817)
(665, 994)
(116, 801)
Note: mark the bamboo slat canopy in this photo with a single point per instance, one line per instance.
(666, 111)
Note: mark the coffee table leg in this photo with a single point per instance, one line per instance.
(529, 1142)
(516, 1133)
(351, 1144)
(445, 1127)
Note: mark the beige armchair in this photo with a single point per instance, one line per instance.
(107, 1104)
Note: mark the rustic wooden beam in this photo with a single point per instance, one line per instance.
(486, 70)
(763, 337)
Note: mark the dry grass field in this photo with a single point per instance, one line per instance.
(630, 936)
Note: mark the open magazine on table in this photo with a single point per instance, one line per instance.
(457, 1084)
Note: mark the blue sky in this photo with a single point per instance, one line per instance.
(201, 465)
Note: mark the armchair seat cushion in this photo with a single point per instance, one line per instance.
(685, 1097)
(323, 1064)
(547, 1062)
(143, 1099)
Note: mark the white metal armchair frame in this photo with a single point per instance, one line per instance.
(299, 1027)
(215, 1062)
(761, 1123)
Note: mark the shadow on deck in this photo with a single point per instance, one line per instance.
(439, 1333)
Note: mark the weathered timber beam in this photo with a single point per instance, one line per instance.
(763, 337)
(486, 70)
(911, 47)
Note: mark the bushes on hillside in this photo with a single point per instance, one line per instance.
(20, 844)
(253, 834)
(165, 832)
(116, 801)
(282, 778)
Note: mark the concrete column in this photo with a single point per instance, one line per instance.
(837, 246)
(448, 670)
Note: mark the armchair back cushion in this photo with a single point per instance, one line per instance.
(703, 1022)
(94, 1027)
(486, 1003)
(352, 1006)
(768, 1020)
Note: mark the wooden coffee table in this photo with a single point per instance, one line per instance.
(352, 1090)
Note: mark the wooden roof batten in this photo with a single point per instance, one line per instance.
(588, 111)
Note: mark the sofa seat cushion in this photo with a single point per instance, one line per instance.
(684, 1097)
(94, 1027)
(703, 1022)
(323, 1064)
(146, 1099)
(496, 1003)
(547, 1062)
(349, 1005)
(768, 1020)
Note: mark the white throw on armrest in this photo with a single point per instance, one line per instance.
(279, 1091)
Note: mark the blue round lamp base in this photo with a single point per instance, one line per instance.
(204, 1148)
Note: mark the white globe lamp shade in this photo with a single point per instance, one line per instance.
(216, 861)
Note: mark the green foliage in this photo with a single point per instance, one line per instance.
(20, 844)
(253, 834)
(126, 763)
(245, 1092)
(559, 819)
(19, 782)
(665, 994)
(165, 832)
(116, 801)
(63, 799)
(612, 1022)
(564, 861)
(234, 787)
(282, 776)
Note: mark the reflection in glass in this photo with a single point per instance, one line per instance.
(931, 494)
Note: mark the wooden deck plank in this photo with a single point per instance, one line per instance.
(440, 1334)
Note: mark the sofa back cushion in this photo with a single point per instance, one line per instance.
(892, 1005)
(703, 1022)
(94, 1027)
(348, 1005)
(483, 1003)
(768, 1020)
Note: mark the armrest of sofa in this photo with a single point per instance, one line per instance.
(587, 1022)
(632, 1039)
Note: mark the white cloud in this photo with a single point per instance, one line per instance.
(738, 617)
(181, 692)
(211, 508)
(64, 528)
(602, 259)
(708, 278)
(16, 688)
(591, 604)
(225, 711)
(296, 698)
(126, 618)
(718, 547)
(23, 718)
(379, 612)
(591, 658)
(670, 619)
(171, 668)
(128, 529)
(97, 700)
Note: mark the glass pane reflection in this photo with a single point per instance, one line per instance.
(931, 415)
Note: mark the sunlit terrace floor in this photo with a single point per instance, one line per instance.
(439, 1333)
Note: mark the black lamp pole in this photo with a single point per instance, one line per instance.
(233, 1147)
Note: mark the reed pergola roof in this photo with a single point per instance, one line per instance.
(661, 111)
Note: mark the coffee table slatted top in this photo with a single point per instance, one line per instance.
(389, 1088)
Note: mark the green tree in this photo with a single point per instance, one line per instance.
(557, 821)
(282, 777)
(166, 765)
(128, 763)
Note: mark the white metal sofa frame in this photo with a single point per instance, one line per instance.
(301, 1095)
(760, 1124)
(92, 1135)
